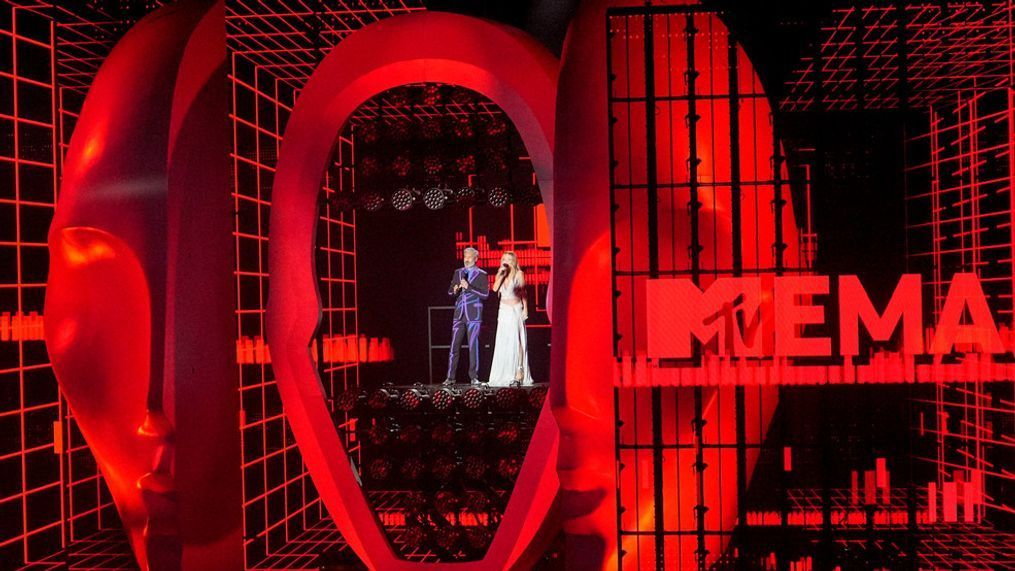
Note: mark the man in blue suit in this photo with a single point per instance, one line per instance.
(470, 286)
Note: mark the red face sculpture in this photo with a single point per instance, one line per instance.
(139, 302)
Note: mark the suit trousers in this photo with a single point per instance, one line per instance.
(459, 329)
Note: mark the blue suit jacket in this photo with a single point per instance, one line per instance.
(470, 301)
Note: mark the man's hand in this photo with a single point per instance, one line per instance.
(463, 284)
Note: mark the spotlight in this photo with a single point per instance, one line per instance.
(412, 468)
(379, 399)
(431, 94)
(411, 399)
(467, 196)
(415, 536)
(341, 202)
(380, 469)
(402, 199)
(432, 129)
(478, 537)
(475, 432)
(536, 397)
(473, 398)
(347, 400)
(466, 164)
(475, 467)
(398, 130)
(476, 501)
(401, 166)
(498, 197)
(448, 538)
(372, 202)
(530, 197)
(433, 166)
(415, 501)
(443, 399)
(410, 434)
(378, 434)
(443, 468)
(368, 166)
(509, 397)
(367, 132)
(508, 433)
(464, 129)
(436, 198)
(443, 433)
(495, 126)
(446, 502)
(509, 466)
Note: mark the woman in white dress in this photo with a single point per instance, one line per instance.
(510, 352)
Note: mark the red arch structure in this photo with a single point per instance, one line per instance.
(518, 75)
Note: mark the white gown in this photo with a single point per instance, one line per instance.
(510, 349)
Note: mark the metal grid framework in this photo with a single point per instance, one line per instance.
(890, 55)
(961, 218)
(273, 48)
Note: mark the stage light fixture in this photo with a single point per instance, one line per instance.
(498, 197)
(530, 196)
(415, 501)
(380, 469)
(509, 397)
(467, 196)
(536, 397)
(464, 128)
(443, 468)
(411, 399)
(346, 400)
(495, 126)
(372, 202)
(410, 434)
(432, 166)
(446, 502)
(473, 398)
(379, 434)
(403, 199)
(509, 466)
(475, 467)
(437, 198)
(508, 433)
(379, 399)
(476, 501)
(432, 129)
(341, 201)
(478, 537)
(443, 399)
(466, 164)
(412, 468)
(475, 432)
(448, 538)
(401, 166)
(443, 433)
(415, 536)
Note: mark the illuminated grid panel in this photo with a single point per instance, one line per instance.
(289, 37)
(880, 56)
(83, 42)
(960, 213)
(673, 77)
(280, 501)
(274, 46)
(31, 500)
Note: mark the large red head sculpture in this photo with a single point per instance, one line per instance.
(139, 305)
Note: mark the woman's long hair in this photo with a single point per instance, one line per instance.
(520, 275)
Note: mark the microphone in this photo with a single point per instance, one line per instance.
(505, 269)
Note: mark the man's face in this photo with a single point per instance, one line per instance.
(470, 259)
